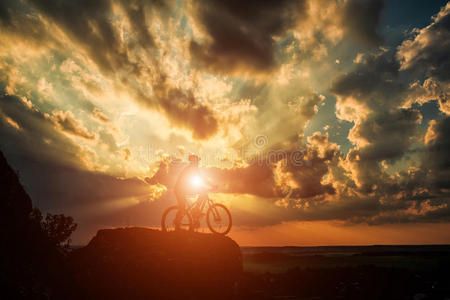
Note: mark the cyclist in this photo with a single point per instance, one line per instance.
(190, 181)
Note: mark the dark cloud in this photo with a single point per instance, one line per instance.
(62, 188)
(137, 14)
(256, 179)
(18, 22)
(36, 136)
(384, 134)
(99, 115)
(429, 51)
(88, 23)
(68, 123)
(389, 134)
(91, 25)
(431, 89)
(427, 55)
(306, 168)
(241, 33)
(240, 36)
(29, 120)
(183, 109)
(383, 131)
(437, 158)
(5, 17)
(264, 176)
(374, 82)
(361, 19)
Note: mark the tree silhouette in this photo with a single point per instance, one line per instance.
(58, 227)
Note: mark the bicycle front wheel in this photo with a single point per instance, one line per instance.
(218, 219)
(168, 220)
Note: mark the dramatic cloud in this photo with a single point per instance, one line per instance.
(256, 179)
(428, 53)
(99, 115)
(371, 97)
(430, 90)
(185, 110)
(138, 15)
(276, 173)
(241, 35)
(67, 122)
(88, 24)
(384, 135)
(38, 137)
(374, 83)
(361, 20)
(437, 158)
(5, 15)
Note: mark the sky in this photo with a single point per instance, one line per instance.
(322, 122)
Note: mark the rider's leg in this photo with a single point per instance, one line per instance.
(203, 195)
(181, 199)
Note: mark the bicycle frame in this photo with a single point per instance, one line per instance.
(201, 202)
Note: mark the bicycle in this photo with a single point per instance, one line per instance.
(218, 217)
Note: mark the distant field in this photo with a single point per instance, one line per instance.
(281, 259)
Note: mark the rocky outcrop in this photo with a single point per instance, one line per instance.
(137, 263)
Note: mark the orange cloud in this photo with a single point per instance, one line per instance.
(67, 122)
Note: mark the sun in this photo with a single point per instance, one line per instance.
(197, 181)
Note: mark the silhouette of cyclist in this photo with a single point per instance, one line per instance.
(182, 180)
(190, 181)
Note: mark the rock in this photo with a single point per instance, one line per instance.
(135, 263)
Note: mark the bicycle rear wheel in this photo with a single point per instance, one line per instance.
(168, 220)
(218, 219)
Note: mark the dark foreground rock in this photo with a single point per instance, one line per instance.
(137, 263)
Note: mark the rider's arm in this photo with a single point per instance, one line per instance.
(208, 181)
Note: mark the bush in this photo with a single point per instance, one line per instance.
(58, 228)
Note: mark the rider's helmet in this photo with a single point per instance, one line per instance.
(193, 158)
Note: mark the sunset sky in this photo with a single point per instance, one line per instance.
(323, 122)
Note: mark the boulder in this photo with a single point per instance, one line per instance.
(138, 263)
